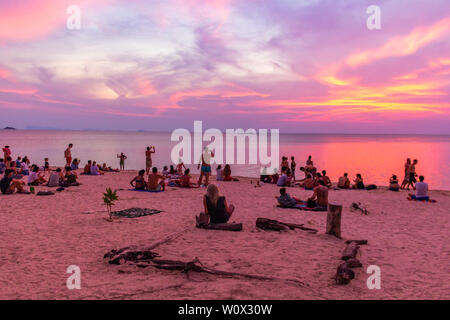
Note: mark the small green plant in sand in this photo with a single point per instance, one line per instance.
(108, 198)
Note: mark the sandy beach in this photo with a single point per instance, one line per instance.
(42, 236)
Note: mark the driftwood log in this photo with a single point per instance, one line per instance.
(145, 258)
(268, 224)
(344, 272)
(203, 222)
(334, 220)
(358, 206)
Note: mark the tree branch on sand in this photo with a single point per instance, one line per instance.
(146, 258)
(268, 224)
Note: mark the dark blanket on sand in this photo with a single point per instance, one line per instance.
(135, 212)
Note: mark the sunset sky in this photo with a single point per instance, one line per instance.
(297, 65)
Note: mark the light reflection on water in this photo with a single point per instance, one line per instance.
(376, 157)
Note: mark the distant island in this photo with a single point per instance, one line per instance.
(9, 128)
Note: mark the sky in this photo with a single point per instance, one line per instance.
(306, 66)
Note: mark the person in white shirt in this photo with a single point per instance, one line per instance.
(421, 190)
(35, 179)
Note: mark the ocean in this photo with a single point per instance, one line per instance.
(376, 157)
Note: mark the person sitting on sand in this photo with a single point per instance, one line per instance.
(24, 168)
(421, 191)
(71, 177)
(275, 176)
(35, 178)
(87, 167)
(95, 171)
(344, 182)
(75, 163)
(393, 183)
(165, 171)
(227, 174)
(326, 179)
(2, 165)
(56, 178)
(185, 180)
(172, 170)
(302, 169)
(156, 181)
(283, 180)
(8, 185)
(319, 197)
(46, 165)
(215, 206)
(285, 200)
(105, 168)
(180, 167)
(139, 181)
(359, 183)
(309, 182)
(219, 173)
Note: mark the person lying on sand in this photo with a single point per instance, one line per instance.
(319, 197)
(156, 181)
(216, 206)
(359, 183)
(8, 185)
(139, 181)
(105, 168)
(185, 180)
(393, 183)
(421, 191)
(344, 182)
(35, 178)
(286, 201)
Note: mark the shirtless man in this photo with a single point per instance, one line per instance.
(156, 181)
(180, 167)
(205, 162)
(326, 179)
(185, 180)
(412, 175)
(309, 182)
(148, 158)
(320, 194)
(344, 182)
(68, 154)
(139, 181)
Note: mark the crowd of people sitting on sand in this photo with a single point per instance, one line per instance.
(180, 176)
(15, 171)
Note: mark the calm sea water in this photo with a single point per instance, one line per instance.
(376, 157)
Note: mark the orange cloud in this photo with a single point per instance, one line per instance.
(403, 45)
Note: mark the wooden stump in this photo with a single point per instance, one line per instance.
(334, 220)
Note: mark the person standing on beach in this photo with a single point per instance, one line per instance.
(6, 152)
(68, 154)
(122, 158)
(406, 178)
(293, 166)
(148, 159)
(205, 163)
(412, 175)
